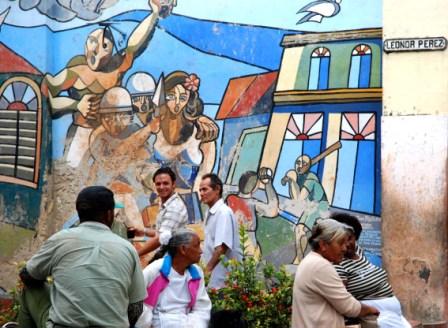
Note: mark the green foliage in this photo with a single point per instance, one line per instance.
(262, 293)
(9, 312)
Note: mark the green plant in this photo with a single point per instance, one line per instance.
(262, 293)
(9, 310)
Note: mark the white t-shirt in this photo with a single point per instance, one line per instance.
(221, 227)
(172, 301)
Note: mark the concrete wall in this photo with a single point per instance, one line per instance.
(414, 161)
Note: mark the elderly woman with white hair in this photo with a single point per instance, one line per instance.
(320, 299)
(175, 284)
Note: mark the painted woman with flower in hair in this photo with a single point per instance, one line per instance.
(186, 139)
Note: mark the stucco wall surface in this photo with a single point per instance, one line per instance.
(415, 82)
(414, 171)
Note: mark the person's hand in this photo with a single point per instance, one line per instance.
(163, 8)
(207, 129)
(88, 105)
(155, 6)
(138, 231)
(290, 176)
(265, 175)
(367, 310)
(143, 104)
(155, 124)
(374, 311)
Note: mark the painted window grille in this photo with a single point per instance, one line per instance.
(20, 131)
(357, 172)
(360, 67)
(319, 69)
(303, 136)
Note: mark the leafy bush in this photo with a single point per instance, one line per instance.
(260, 292)
(9, 309)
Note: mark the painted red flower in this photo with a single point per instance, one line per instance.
(192, 82)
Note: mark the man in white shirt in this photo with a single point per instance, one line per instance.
(221, 231)
(172, 211)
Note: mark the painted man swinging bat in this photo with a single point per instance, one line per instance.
(305, 187)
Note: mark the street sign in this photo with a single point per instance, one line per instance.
(415, 44)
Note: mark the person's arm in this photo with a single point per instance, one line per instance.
(294, 189)
(134, 312)
(219, 250)
(150, 273)
(52, 86)
(141, 35)
(207, 129)
(342, 273)
(28, 280)
(144, 232)
(269, 209)
(208, 150)
(40, 265)
(224, 236)
(368, 310)
(200, 314)
(327, 283)
(149, 246)
(136, 290)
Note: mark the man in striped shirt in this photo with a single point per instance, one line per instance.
(172, 215)
(367, 282)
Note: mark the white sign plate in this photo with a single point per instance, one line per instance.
(415, 44)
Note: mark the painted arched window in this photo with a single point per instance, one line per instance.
(360, 66)
(20, 130)
(319, 69)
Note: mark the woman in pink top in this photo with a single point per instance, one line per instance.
(320, 299)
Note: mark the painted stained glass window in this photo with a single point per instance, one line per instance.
(356, 173)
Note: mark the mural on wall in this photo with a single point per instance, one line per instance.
(288, 120)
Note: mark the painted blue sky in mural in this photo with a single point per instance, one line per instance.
(280, 14)
(216, 56)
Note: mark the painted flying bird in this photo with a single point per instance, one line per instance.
(87, 9)
(318, 10)
(3, 15)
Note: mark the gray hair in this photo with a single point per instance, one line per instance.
(179, 238)
(328, 230)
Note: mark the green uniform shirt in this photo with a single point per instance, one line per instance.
(96, 275)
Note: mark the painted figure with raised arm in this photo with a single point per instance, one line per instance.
(247, 208)
(87, 77)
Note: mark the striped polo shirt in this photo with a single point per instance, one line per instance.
(364, 280)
